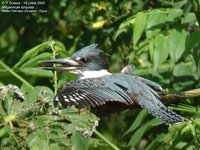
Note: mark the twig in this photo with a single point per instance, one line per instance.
(15, 74)
(178, 96)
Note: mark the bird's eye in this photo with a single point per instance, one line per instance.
(84, 60)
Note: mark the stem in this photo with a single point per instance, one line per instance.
(55, 78)
(15, 74)
(106, 140)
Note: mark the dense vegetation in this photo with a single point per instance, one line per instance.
(161, 38)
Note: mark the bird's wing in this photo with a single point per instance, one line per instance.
(129, 69)
(147, 98)
(90, 92)
(151, 84)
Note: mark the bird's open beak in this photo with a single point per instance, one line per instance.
(64, 64)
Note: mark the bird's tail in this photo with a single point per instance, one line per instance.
(159, 110)
(167, 115)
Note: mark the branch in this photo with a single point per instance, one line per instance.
(179, 96)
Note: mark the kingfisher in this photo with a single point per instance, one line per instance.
(96, 86)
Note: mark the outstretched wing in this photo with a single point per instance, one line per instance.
(91, 92)
(121, 88)
(147, 98)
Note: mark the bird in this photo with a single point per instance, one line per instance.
(95, 86)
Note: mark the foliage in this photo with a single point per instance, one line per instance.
(161, 38)
(35, 124)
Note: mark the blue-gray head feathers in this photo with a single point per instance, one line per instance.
(91, 58)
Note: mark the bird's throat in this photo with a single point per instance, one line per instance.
(93, 74)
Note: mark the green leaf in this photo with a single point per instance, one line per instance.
(43, 120)
(177, 133)
(136, 137)
(186, 108)
(31, 71)
(60, 49)
(5, 131)
(192, 128)
(32, 52)
(197, 121)
(84, 122)
(190, 17)
(54, 147)
(79, 141)
(34, 61)
(161, 51)
(177, 44)
(151, 48)
(155, 21)
(183, 69)
(156, 143)
(173, 15)
(196, 55)
(38, 140)
(137, 122)
(192, 41)
(139, 26)
(123, 26)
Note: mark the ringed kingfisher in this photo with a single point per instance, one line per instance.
(96, 86)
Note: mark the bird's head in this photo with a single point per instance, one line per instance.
(89, 58)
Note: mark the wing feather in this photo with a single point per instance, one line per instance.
(90, 93)
(121, 88)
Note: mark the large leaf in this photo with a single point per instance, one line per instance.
(79, 141)
(56, 46)
(155, 21)
(123, 26)
(174, 15)
(33, 52)
(190, 17)
(192, 41)
(183, 69)
(161, 51)
(139, 26)
(39, 140)
(177, 41)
